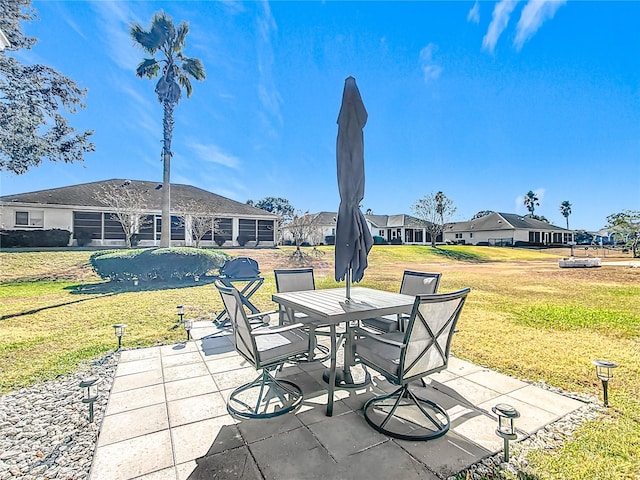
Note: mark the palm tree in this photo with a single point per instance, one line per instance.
(163, 37)
(531, 201)
(565, 209)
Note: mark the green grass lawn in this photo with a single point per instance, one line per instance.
(524, 317)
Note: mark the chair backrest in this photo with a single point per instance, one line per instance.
(293, 280)
(244, 341)
(419, 283)
(429, 332)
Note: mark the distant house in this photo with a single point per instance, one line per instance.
(402, 228)
(507, 229)
(79, 208)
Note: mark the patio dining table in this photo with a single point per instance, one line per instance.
(330, 307)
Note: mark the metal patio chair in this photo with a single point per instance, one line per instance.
(413, 283)
(295, 280)
(266, 348)
(402, 357)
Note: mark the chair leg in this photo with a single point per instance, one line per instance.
(405, 416)
(264, 397)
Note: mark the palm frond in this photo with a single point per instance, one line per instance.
(181, 35)
(148, 67)
(147, 40)
(185, 83)
(162, 28)
(193, 67)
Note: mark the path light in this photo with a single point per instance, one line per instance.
(506, 429)
(90, 385)
(180, 312)
(135, 281)
(603, 371)
(119, 331)
(188, 325)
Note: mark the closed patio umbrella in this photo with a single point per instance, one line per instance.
(353, 239)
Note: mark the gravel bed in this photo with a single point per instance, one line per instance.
(45, 431)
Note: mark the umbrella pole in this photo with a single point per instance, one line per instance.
(349, 282)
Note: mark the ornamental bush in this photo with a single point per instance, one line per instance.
(54, 237)
(160, 264)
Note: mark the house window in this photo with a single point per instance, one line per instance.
(177, 228)
(470, 234)
(112, 227)
(381, 233)
(247, 229)
(32, 218)
(88, 222)
(265, 230)
(224, 229)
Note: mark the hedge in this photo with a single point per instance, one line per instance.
(54, 237)
(162, 264)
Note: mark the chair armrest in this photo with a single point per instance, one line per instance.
(261, 314)
(279, 329)
(378, 338)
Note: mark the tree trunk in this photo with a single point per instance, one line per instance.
(165, 235)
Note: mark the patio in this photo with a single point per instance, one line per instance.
(166, 419)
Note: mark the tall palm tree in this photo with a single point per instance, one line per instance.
(176, 71)
(565, 209)
(531, 201)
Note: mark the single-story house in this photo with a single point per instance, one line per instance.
(507, 229)
(85, 208)
(405, 228)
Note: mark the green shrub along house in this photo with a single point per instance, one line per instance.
(92, 214)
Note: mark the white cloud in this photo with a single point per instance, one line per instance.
(499, 21)
(213, 154)
(533, 15)
(474, 14)
(268, 94)
(430, 69)
(114, 20)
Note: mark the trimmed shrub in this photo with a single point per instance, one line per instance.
(34, 238)
(330, 239)
(163, 264)
(83, 237)
(242, 240)
(396, 241)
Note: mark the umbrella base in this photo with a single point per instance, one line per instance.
(346, 379)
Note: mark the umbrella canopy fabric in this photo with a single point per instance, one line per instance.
(353, 239)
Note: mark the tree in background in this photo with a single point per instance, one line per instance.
(164, 38)
(32, 98)
(128, 206)
(565, 210)
(199, 219)
(482, 213)
(531, 201)
(626, 226)
(302, 227)
(437, 211)
(278, 206)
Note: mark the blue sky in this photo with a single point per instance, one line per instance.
(483, 101)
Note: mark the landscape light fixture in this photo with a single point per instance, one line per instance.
(188, 325)
(180, 312)
(90, 386)
(506, 429)
(603, 372)
(119, 331)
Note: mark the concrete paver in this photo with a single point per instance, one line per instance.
(166, 419)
